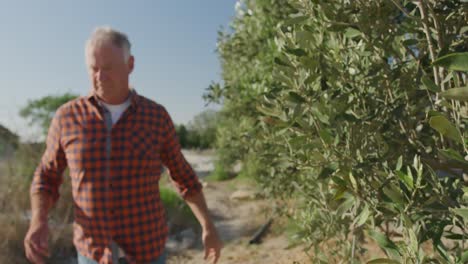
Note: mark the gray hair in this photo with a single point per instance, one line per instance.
(108, 34)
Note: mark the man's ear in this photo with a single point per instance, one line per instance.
(131, 64)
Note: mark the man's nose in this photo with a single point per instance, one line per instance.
(100, 75)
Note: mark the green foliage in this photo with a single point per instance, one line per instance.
(219, 174)
(340, 103)
(25, 160)
(200, 132)
(8, 141)
(175, 206)
(39, 112)
(453, 61)
(250, 169)
(182, 133)
(460, 94)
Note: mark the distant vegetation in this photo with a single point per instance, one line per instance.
(200, 133)
(39, 112)
(8, 142)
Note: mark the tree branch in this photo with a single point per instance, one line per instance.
(440, 43)
(402, 9)
(425, 22)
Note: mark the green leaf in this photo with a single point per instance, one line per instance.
(452, 154)
(297, 52)
(296, 98)
(322, 117)
(464, 257)
(389, 208)
(326, 172)
(432, 113)
(441, 249)
(465, 194)
(413, 240)
(454, 61)
(394, 194)
(455, 157)
(340, 192)
(463, 30)
(406, 179)
(353, 180)
(352, 32)
(463, 212)
(383, 261)
(280, 62)
(446, 128)
(326, 136)
(399, 163)
(429, 84)
(345, 206)
(305, 36)
(296, 20)
(268, 111)
(460, 94)
(337, 26)
(456, 236)
(385, 243)
(283, 78)
(362, 218)
(410, 42)
(339, 181)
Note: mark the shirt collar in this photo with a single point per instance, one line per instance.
(134, 97)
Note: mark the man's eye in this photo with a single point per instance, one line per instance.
(96, 69)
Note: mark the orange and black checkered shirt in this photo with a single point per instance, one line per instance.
(115, 172)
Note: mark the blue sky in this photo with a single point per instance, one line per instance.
(174, 43)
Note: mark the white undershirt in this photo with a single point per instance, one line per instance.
(116, 110)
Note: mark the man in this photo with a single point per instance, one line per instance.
(115, 143)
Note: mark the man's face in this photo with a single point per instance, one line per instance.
(107, 68)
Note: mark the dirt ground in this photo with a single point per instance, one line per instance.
(237, 220)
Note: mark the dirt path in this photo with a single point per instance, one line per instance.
(237, 220)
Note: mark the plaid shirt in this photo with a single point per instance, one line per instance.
(114, 174)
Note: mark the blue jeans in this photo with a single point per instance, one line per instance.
(84, 260)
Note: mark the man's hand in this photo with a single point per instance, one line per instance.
(212, 244)
(210, 237)
(36, 243)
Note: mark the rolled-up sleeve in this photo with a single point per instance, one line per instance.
(182, 174)
(48, 175)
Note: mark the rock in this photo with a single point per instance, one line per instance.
(181, 241)
(204, 183)
(237, 167)
(242, 195)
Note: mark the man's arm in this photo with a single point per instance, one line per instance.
(186, 181)
(36, 240)
(210, 237)
(44, 193)
(41, 203)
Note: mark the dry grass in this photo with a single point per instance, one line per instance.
(15, 212)
(13, 229)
